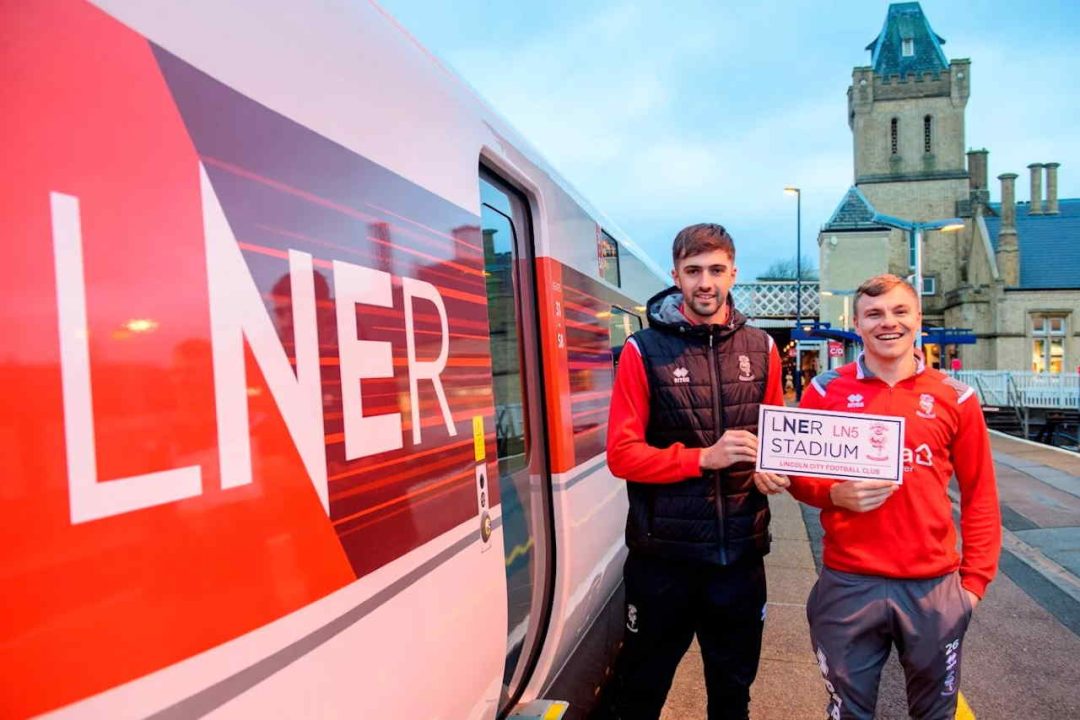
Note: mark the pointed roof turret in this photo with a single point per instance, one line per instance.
(853, 213)
(907, 44)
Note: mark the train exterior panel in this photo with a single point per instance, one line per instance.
(306, 367)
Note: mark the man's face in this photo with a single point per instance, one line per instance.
(888, 323)
(705, 280)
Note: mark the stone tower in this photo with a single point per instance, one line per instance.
(906, 112)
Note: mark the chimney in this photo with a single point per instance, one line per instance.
(1008, 250)
(979, 192)
(1036, 206)
(1051, 188)
(1008, 201)
(977, 168)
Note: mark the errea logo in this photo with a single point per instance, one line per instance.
(855, 401)
(681, 374)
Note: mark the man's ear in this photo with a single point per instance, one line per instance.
(675, 277)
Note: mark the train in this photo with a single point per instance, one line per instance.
(307, 362)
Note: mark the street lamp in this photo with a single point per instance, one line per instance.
(798, 285)
(915, 232)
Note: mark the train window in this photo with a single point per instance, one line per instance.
(498, 236)
(621, 325)
(607, 253)
(524, 482)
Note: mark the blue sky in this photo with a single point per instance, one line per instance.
(669, 113)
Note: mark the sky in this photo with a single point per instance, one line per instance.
(664, 114)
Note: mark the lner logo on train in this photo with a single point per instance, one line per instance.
(237, 313)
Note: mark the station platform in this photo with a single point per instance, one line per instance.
(1024, 641)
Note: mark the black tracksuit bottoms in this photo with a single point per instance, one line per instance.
(668, 602)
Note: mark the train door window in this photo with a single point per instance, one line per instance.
(524, 482)
(621, 325)
(607, 253)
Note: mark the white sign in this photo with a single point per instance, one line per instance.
(821, 443)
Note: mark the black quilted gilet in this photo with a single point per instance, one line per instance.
(703, 380)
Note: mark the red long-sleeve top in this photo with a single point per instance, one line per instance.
(629, 456)
(912, 535)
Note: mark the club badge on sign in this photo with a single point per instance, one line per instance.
(822, 443)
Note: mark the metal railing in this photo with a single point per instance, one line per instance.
(776, 298)
(1013, 388)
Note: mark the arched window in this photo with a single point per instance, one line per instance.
(892, 135)
(927, 129)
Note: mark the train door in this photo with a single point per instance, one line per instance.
(524, 478)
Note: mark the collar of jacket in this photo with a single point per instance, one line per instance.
(863, 372)
(664, 315)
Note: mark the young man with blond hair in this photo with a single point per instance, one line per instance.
(892, 574)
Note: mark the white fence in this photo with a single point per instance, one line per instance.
(1023, 389)
(777, 299)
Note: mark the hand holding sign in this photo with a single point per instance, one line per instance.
(734, 446)
(862, 496)
(771, 483)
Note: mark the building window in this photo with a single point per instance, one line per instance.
(1047, 342)
(927, 130)
(907, 47)
(893, 127)
(929, 285)
(607, 253)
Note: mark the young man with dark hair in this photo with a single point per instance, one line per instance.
(892, 574)
(682, 433)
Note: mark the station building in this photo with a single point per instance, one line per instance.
(1003, 292)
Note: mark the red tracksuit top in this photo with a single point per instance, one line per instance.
(912, 535)
(629, 456)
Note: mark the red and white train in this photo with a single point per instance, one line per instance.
(306, 362)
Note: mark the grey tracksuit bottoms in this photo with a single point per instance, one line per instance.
(856, 619)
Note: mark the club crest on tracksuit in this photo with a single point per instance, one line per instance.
(746, 374)
(631, 618)
(926, 406)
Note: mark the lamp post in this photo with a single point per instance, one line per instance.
(798, 285)
(915, 231)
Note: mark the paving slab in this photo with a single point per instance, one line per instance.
(1062, 545)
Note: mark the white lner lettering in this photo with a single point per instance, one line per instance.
(237, 312)
(364, 435)
(87, 498)
(426, 369)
